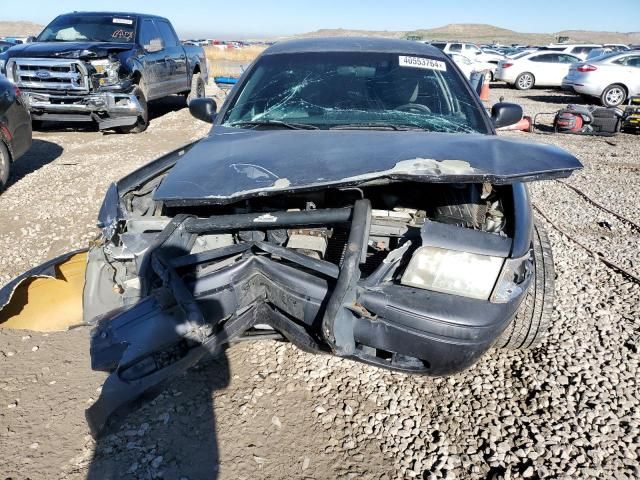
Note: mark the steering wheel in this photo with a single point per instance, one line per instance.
(414, 108)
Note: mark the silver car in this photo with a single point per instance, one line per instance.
(612, 77)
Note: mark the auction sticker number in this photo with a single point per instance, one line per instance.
(419, 62)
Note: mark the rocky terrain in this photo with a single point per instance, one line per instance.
(566, 410)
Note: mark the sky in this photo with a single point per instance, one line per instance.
(261, 18)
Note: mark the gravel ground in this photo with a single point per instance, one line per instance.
(568, 409)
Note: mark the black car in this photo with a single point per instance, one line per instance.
(15, 128)
(351, 198)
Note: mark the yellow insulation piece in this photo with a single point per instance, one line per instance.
(48, 304)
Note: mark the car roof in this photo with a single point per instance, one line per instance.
(114, 14)
(353, 44)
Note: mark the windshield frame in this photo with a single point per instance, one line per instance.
(132, 18)
(486, 127)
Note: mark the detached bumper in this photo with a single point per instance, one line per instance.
(109, 109)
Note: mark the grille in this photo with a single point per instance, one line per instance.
(48, 74)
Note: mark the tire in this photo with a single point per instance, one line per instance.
(533, 318)
(613, 95)
(5, 166)
(197, 88)
(143, 120)
(525, 81)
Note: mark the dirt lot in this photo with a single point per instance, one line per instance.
(266, 410)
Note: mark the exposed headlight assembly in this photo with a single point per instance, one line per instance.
(449, 271)
(107, 71)
(2, 65)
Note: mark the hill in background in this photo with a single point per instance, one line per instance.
(482, 33)
(19, 29)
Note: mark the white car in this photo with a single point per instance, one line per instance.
(540, 68)
(580, 50)
(612, 78)
(468, 66)
(469, 50)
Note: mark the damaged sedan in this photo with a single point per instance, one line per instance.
(351, 198)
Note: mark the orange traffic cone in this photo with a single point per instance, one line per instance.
(484, 92)
(525, 125)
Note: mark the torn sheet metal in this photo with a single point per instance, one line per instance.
(224, 168)
(47, 297)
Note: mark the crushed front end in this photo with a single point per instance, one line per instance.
(411, 276)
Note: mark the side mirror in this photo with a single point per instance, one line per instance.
(504, 114)
(203, 109)
(155, 45)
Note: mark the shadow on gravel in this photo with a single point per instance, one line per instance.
(558, 97)
(172, 436)
(40, 154)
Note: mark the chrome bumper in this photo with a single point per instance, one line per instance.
(111, 104)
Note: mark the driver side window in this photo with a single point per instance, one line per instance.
(148, 32)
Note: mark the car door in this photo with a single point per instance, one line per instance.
(175, 59)
(152, 59)
(632, 74)
(544, 67)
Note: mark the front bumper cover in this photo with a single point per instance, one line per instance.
(316, 305)
(109, 109)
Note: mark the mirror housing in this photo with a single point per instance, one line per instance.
(203, 109)
(155, 45)
(504, 114)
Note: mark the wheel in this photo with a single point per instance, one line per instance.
(531, 322)
(5, 166)
(525, 81)
(143, 120)
(197, 88)
(613, 95)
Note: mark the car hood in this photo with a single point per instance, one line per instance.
(231, 164)
(65, 49)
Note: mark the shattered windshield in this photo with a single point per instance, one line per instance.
(90, 28)
(355, 90)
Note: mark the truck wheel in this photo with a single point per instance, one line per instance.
(531, 321)
(197, 88)
(143, 120)
(5, 165)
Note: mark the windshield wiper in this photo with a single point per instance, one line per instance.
(275, 123)
(376, 126)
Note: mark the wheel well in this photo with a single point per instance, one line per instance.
(626, 89)
(7, 145)
(196, 69)
(137, 76)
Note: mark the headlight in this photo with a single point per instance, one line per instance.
(107, 71)
(448, 271)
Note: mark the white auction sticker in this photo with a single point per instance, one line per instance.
(123, 21)
(419, 62)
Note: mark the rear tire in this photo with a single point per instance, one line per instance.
(197, 88)
(613, 95)
(533, 318)
(5, 166)
(525, 81)
(143, 120)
